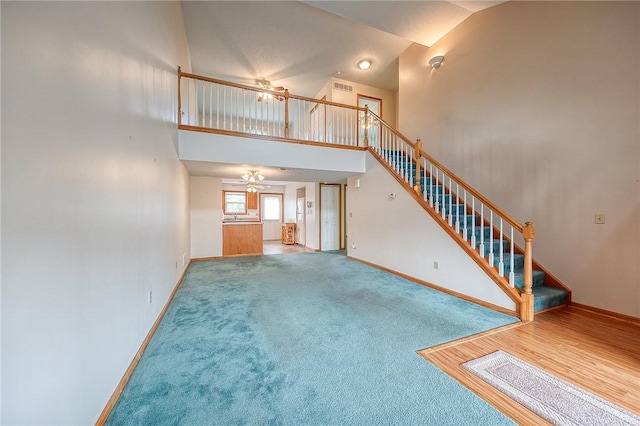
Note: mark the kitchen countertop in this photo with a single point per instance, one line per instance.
(241, 222)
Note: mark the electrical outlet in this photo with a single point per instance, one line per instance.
(599, 218)
(353, 245)
(150, 297)
(184, 259)
(436, 265)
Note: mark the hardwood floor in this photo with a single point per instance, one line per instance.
(596, 352)
(276, 247)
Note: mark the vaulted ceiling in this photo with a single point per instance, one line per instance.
(301, 45)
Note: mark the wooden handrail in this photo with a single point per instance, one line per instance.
(179, 98)
(258, 90)
(392, 130)
(475, 193)
(448, 172)
(286, 113)
(418, 149)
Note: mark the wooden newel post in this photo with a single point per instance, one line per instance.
(418, 149)
(286, 113)
(526, 310)
(179, 97)
(366, 126)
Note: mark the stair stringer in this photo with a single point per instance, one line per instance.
(399, 235)
(514, 293)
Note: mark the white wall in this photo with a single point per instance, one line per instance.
(537, 105)
(206, 216)
(400, 235)
(217, 148)
(351, 98)
(94, 200)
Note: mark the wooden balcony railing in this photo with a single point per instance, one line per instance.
(217, 106)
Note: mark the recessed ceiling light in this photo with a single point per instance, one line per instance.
(364, 64)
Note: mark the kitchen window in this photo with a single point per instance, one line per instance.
(234, 202)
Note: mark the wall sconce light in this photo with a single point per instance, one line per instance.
(436, 61)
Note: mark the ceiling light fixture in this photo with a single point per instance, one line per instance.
(252, 175)
(436, 61)
(364, 64)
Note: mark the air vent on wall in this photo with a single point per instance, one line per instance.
(342, 86)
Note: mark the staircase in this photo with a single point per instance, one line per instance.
(487, 240)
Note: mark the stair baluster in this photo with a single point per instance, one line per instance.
(481, 248)
(512, 275)
(501, 253)
(491, 249)
(473, 223)
(464, 224)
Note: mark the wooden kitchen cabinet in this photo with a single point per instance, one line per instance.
(242, 238)
(252, 200)
(288, 233)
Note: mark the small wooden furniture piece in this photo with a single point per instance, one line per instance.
(288, 233)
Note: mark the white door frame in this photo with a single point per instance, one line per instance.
(338, 214)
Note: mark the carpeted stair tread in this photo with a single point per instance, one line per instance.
(538, 278)
(518, 261)
(545, 297)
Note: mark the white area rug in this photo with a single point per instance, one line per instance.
(553, 399)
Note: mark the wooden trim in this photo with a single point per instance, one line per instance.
(179, 96)
(204, 259)
(611, 314)
(439, 288)
(226, 256)
(373, 98)
(268, 138)
(136, 359)
(453, 343)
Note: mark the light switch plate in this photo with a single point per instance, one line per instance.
(599, 218)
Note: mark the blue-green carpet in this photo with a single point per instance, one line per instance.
(303, 339)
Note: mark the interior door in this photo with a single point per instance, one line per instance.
(372, 126)
(330, 217)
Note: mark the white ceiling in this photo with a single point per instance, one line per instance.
(301, 45)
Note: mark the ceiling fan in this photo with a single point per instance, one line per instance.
(266, 85)
(252, 179)
(252, 187)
